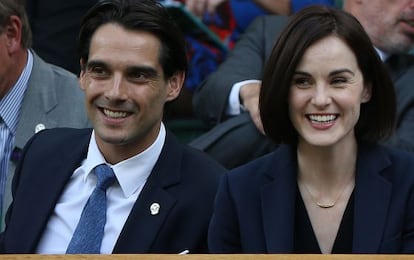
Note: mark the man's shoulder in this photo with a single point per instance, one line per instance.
(194, 156)
(192, 159)
(62, 135)
(271, 21)
(59, 74)
(50, 144)
(402, 63)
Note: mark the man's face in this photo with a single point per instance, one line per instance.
(125, 90)
(389, 23)
(4, 68)
(12, 55)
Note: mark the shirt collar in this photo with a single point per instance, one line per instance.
(130, 173)
(11, 103)
(383, 55)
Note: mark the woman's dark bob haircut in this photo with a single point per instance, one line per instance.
(306, 27)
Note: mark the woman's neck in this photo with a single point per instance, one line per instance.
(326, 168)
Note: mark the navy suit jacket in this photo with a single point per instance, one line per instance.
(255, 205)
(183, 181)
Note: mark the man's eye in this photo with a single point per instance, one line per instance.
(138, 77)
(98, 71)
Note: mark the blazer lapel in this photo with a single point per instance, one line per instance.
(37, 103)
(398, 64)
(40, 196)
(372, 198)
(278, 201)
(141, 227)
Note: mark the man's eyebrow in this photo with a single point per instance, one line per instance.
(95, 63)
(148, 70)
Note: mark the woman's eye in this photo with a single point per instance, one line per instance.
(338, 81)
(301, 82)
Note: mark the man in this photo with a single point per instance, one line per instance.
(159, 193)
(33, 94)
(231, 94)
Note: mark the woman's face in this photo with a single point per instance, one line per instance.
(326, 93)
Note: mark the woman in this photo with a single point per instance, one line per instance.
(329, 187)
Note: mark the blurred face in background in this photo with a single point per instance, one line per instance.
(12, 55)
(389, 23)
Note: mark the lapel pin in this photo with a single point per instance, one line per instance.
(39, 127)
(155, 208)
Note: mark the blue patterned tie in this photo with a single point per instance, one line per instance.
(87, 238)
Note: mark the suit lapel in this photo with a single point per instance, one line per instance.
(40, 101)
(278, 201)
(41, 197)
(141, 228)
(398, 64)
(372, 198)
(33, 111)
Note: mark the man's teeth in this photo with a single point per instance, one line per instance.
(322, 118)
(114, 114)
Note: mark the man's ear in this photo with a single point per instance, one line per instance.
(82, 73)
(13, 32)
(174, 85)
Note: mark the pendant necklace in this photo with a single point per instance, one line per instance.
(326, 205)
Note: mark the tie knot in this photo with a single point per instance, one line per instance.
(105, 176)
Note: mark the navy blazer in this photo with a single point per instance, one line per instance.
(183, 181)
(255, 204)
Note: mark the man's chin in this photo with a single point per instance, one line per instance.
(111, 137)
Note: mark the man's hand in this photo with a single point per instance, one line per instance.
(249, 97)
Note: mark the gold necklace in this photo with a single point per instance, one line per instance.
(326, 205)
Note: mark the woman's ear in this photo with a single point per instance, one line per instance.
(366, 93)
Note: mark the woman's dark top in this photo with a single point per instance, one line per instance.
(304, 238)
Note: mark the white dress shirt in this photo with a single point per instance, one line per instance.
(234, 106)
(131, 176)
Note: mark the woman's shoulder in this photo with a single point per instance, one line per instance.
(394, 154)
(283, 156)
(391, 161)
